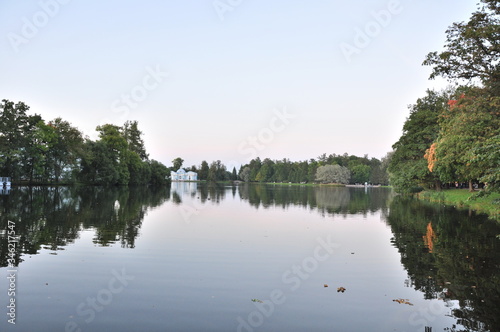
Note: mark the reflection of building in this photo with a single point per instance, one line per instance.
(5, 181)
(180, 188)
(182, 175)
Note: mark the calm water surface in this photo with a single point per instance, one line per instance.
(244, 258)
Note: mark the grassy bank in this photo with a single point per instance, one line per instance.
(462, 198)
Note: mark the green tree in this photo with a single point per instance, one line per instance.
(14, 125)
(312, 168)
(408, 168)
(212, 172)
(140, 171)
(117, 148)
(468, 123)
(203, 173)
(159, 173)
(360, 173)
(66, 150)
(472, 50)
(221, 171)
(265, 173)
(133, 136)
(488, 155)
(379, 173)
(177, 162)
(468, 128)
(245, 174)
(39, 141)
(234, 175)
(333, 174)
(97, 165)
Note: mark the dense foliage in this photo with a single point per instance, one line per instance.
(325, 169)
(454, 136)
(38, 152)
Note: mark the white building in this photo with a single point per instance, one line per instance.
(182, 175)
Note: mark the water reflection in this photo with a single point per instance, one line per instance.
(327, 200)
(451, 255)
(52, 217)
(184, 188)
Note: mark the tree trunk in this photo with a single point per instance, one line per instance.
(437, 185)
(471, 188)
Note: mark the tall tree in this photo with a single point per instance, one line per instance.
(234, 175)
(203, 173)
(408, 168)
(472, 49)
(133, 136)
(117, 148)
(360, 173)
(98, 165)
(245, 174)
(14, 125)
(177, 162)
(40, 139)
(159, 173)
(66, 150)
(468, 123)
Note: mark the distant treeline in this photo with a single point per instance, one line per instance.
(34, 151)
(325, 169)
(453, 136)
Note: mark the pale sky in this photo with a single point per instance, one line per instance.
(227, 79)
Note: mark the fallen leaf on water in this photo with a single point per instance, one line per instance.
(402, 301)
(325, 285)
(257, 300)
(341, 289)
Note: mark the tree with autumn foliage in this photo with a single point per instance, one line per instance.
(467, 145)
(408, 170)
(465, 126)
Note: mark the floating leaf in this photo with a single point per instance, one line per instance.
(341, 289)
(403, 301)
(257, 300)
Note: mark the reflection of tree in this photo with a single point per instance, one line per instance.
(462, 264)
(327, 200)
(429, 237)
(52, 217)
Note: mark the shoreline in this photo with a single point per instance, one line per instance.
(461, 199)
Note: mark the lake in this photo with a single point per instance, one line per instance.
(252, 257)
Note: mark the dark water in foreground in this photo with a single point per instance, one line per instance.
(248, 258)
